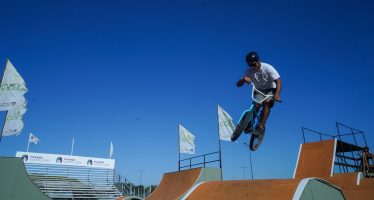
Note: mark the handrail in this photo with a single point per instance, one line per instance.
(190, 165)
(319, 133)
(200, 156)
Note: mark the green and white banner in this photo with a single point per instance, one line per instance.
(12, 99)
(13, 122)
(186, 141)
(12, 88)
(226, 125)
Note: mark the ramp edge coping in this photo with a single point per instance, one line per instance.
(297, 161)
(194, 184)
(360, 175)
(333, 158)
(191, 190)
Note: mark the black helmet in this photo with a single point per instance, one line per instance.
(252, 57)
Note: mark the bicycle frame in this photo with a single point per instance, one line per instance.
(252, 107)
(247, 121)
(250, 110)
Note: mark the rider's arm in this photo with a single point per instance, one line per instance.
(241, 81)
(278, 83)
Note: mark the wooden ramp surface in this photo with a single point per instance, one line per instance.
(354, 186)
(316, 159)
(259, 189)
(174, 185)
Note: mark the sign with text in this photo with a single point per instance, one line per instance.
(56, 159)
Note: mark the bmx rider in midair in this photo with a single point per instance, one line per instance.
(267, 80)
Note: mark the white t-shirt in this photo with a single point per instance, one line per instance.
(263, 78)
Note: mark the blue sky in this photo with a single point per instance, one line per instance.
(130, 71)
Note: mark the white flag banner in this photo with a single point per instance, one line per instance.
(12, 88)
(13, 122)
(33, 139)
(111, 150)
(226, 125)
(186, 141)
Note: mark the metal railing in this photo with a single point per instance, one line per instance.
(123, 184)
(191, 164)
(305, 130)
(353, 133)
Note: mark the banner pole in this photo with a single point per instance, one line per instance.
(179, 149)
(2, 129)
(219, 144)
(1, 82)
(28, 143)
(72, 147)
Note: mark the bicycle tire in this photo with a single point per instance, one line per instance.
(241, 126)
(256, 142)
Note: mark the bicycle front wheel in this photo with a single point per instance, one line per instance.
(244, 121)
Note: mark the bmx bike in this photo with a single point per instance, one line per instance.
(249, 120)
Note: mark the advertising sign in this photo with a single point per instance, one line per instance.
(56, 159)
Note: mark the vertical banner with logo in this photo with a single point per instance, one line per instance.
(12, 100)
(186, 141)
(225, 125)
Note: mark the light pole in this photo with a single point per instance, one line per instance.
(250, 158)
(140, 182)
(244, 172)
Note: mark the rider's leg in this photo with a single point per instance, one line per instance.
(264, 114)
(248, 128)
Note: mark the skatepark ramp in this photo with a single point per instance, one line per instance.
(309, 188)
(175, 185)
(314, 178)
(318, 159)
(15, 184)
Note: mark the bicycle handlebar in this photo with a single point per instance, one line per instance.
(265, 96)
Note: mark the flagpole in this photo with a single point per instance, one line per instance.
(72, 147)
(28, 143)
(219, 144)
(111, 150)
(2, 129)
(2, 77)
(179, 148)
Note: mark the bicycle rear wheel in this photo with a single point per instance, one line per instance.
(256, 141)
(244, 121)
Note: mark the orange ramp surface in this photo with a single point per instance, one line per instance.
(316, 159)
(175, 185)
(259, 189)
(266, 189)
(354, 186)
